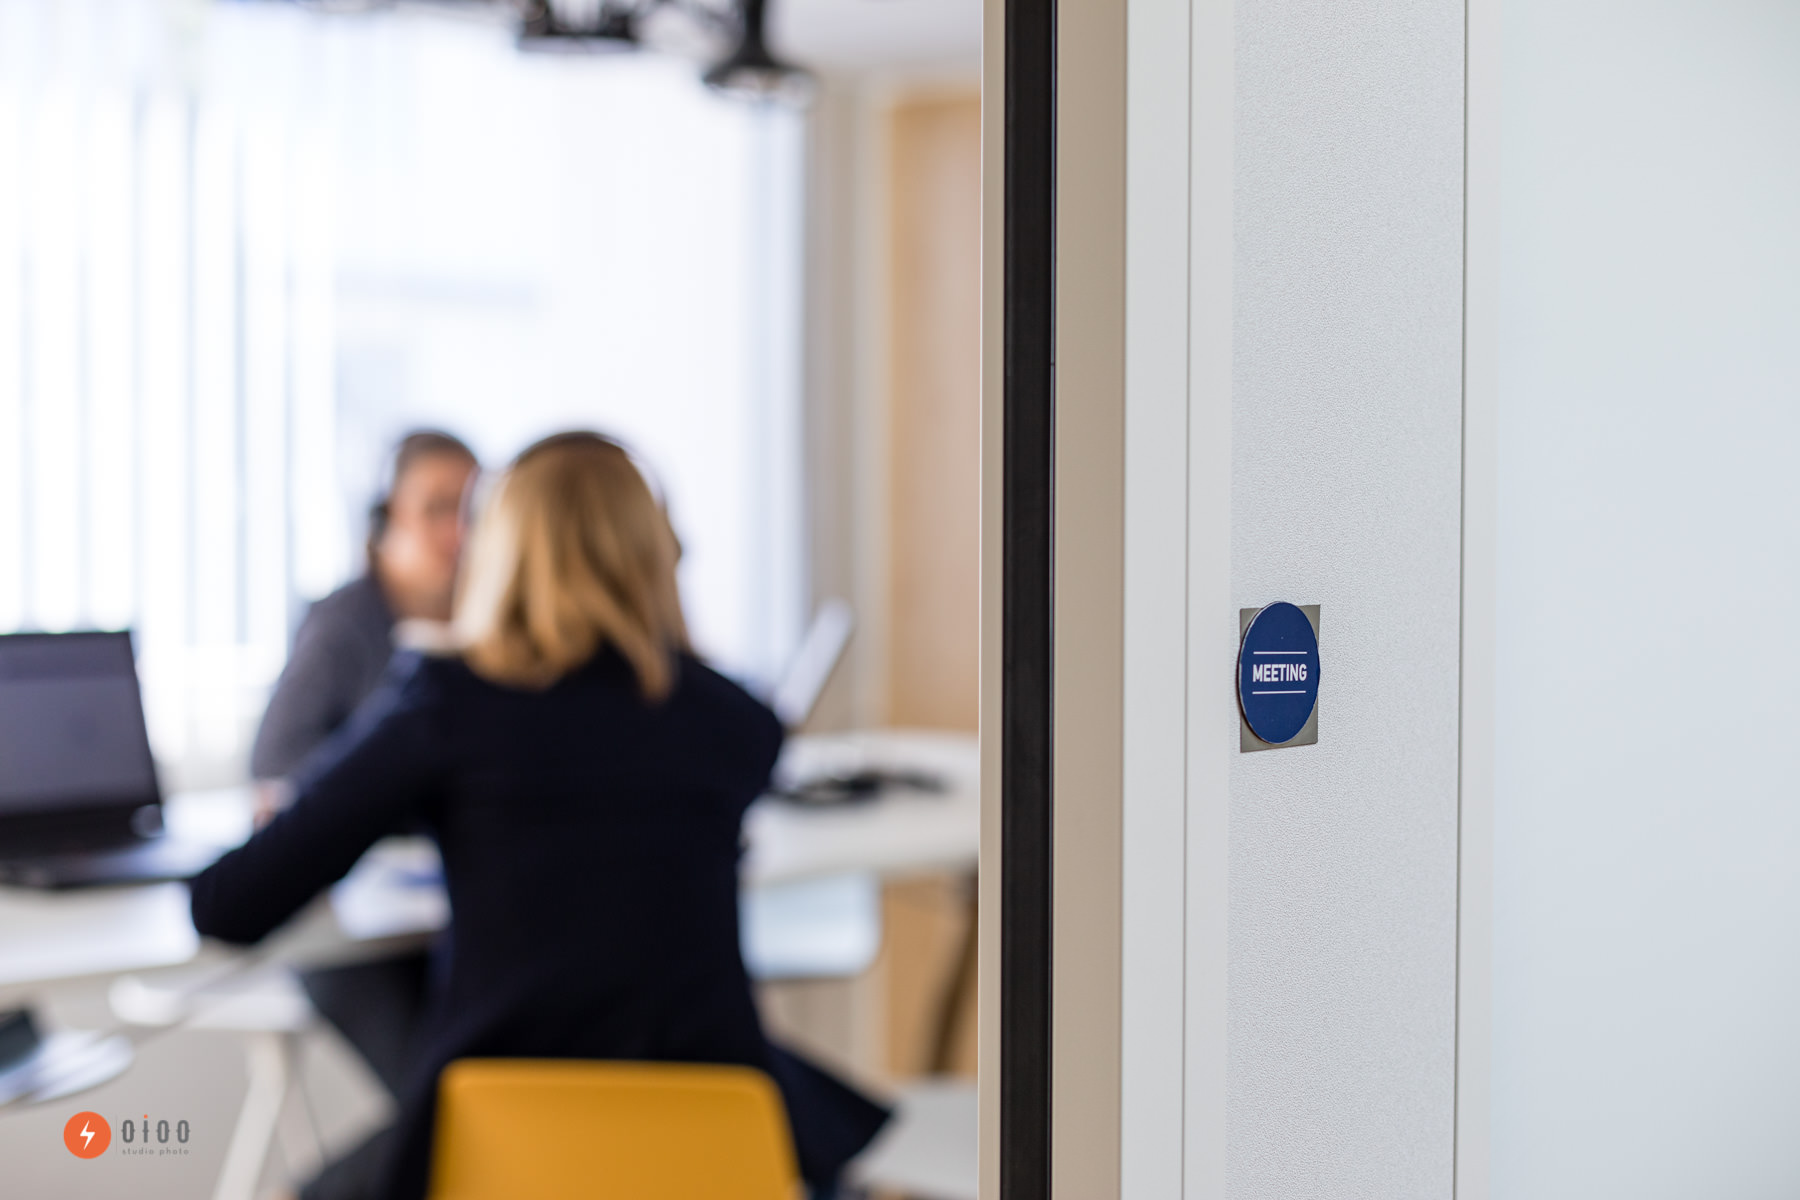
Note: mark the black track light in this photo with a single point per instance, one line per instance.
(751, 72)
(573, 29)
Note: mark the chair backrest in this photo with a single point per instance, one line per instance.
(553, 1128)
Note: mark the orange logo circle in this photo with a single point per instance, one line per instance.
(87, 1135)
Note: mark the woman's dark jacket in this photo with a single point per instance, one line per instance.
(590, 842)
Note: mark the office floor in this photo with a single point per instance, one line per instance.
(196, 1077)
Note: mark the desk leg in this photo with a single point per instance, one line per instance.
(951, 1007)
(269, 1061)
(299, 1116)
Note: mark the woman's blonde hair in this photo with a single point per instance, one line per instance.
(570, 553)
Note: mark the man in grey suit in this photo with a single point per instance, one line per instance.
(343, 645)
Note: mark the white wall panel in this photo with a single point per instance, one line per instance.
(1346, 492)
(1646, 829)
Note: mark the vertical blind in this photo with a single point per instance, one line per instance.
(242, 246)
(165, 364)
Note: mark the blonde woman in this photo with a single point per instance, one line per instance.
(585, 776)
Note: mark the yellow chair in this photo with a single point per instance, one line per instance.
(544, 1129)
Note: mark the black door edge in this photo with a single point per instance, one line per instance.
(1027, 611)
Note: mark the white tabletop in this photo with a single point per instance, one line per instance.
(903, 831)
(51, 937)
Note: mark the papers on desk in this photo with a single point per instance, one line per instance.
(64, 1064)
(397, 890)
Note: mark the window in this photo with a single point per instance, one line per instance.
(239, 257)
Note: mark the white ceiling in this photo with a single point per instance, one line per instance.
(934, 37)
(877, 35)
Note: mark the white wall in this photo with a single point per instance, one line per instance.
(1647, 835)
(1346, 468)
(535, 242)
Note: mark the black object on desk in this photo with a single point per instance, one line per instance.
(19, 1038)
(856, 787)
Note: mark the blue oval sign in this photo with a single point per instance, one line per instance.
(1278, 673)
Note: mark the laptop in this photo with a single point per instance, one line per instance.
(797, 693)
(796, 696)
(79, 801)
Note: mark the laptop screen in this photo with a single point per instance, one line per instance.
(71, 724)
(795, 697)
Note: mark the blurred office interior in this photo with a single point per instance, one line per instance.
(1473, 323)
(244, 246)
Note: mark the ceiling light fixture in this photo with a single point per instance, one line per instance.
(750, 72)
(579, 28)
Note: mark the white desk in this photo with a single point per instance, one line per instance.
(57, 937)
(901, 833)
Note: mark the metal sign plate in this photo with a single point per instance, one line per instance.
(1278, 676)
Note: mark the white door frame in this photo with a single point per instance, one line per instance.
(1145, 139)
